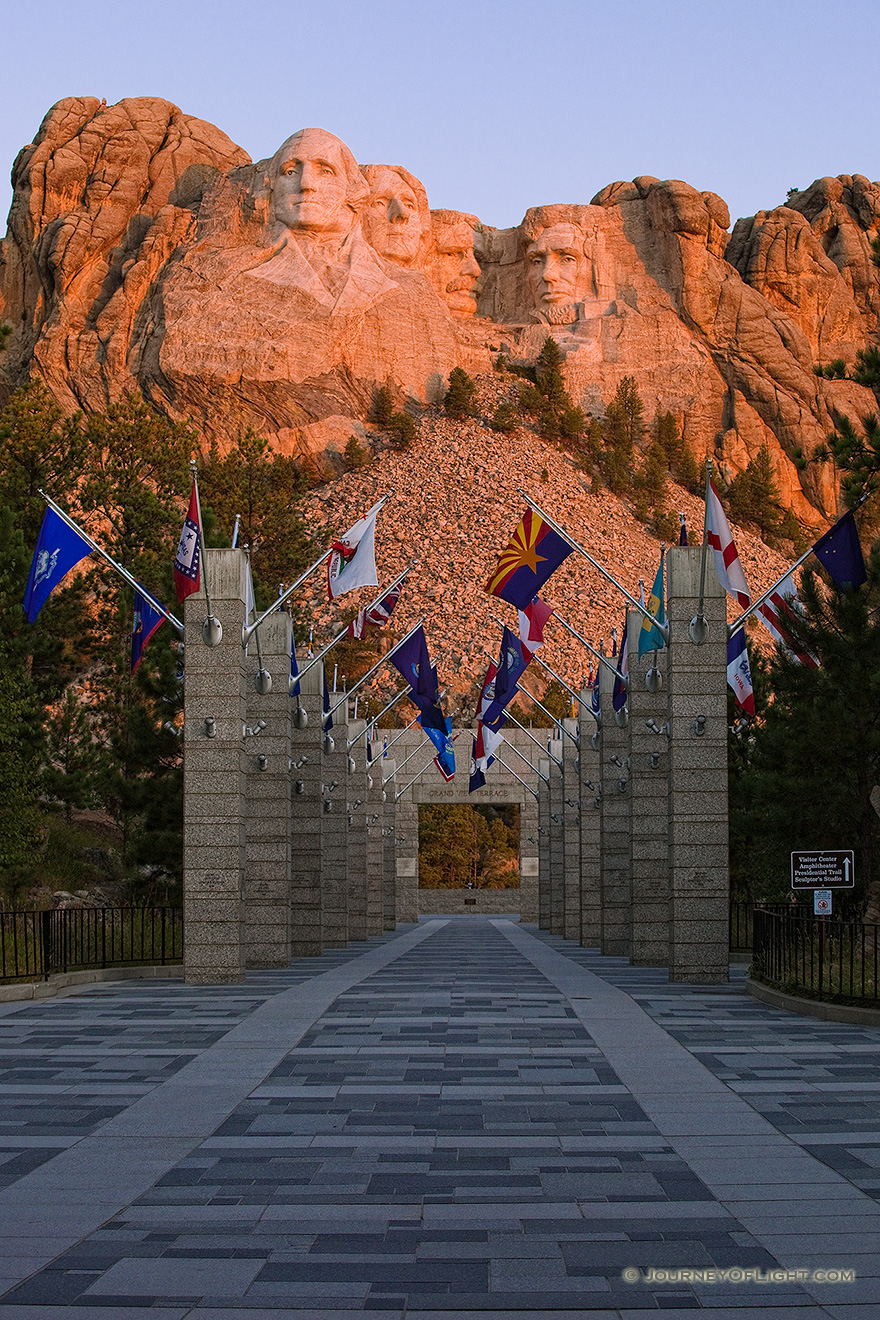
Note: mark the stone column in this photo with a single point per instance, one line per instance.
(556, 826)
(544, 846)
(407, 827)
(571, 816)
(214, 780)
(267, 873)
(384, 770)
(305, 809)
(375, 846)
(698, 857)
(356, 840)
(529, 853)
(649, 753)
(590, 823)
(615, 827)
(334, 835)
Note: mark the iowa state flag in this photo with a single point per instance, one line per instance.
(188, 560)
(534, 553)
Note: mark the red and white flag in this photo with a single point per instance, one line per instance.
(188, 560)
(739, 675)
(352, 561)
(531, 625)
(775, 613)
(729, 569)
(377, 615)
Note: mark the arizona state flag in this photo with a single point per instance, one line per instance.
(534, 553)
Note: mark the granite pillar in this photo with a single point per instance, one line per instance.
(589, 780)
(616, 821)
(305, 811)
(649, 753)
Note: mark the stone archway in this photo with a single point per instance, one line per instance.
(501, 788)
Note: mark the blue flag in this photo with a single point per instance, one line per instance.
(59, 548)
(442, 740)
(328, 718)
(618, 695)
(512, 664)
(146, 620)
(650, 638)
(683, 533)
(413, 663)
(294, 671)
(477, 778)
(840, 552)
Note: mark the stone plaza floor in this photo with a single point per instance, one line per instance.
(464, 1117)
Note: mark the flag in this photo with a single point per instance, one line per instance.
(739, 676)
(596, 699)
(413, 663)
(59, 548)
(294, 671)
(250, 600)
(840, 553)
(188, 560)
(534, 553)
(328, 718)
(445, 758)
(512, 662)
(377, 615)
(531, 625)
(618, 694)
(485, 745)
(352, 561)
(683, 533)
(775, 613)
(145, 622)
(477, 775)
(718, 534)
(650, 638)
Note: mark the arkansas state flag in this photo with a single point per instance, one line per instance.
(188, 560)
(720, 538)
(739, 675)
(534, 553)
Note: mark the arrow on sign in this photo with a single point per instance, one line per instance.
(846, 868)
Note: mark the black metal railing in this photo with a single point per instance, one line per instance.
(817, 956)
(33, 945)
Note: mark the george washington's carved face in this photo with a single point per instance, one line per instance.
(555, 271)
(390, 220)
(315, 186)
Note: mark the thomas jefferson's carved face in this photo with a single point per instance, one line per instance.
(311, 188)
(555, 269)
(391, 220)
(456, 266)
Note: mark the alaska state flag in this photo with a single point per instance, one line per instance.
(146, 620)
(59, 547)
(534, 553)
(840, 553)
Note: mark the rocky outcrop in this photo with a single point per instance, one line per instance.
(145, 250)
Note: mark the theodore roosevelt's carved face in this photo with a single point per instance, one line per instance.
(456, 269)
(316, 185)
(555, 268)
(391, 220)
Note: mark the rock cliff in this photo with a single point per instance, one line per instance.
(145, 250)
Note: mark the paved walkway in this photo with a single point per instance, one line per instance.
(467, 1116)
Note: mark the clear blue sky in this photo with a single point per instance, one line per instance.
(495, 104)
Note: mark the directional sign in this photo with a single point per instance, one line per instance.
(823, 870)
(822, 902)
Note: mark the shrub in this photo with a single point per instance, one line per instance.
(355, 457)
(505, 418)
(402, 429)
(383, 406)
(459, 400)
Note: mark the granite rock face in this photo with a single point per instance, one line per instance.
(145, 250)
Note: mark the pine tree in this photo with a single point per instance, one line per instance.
(383, 406)
(355, 457)
(623, 431)
(403, 430)
(505, 418)
(753, 496)
(459, 398)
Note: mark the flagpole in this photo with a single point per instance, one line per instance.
(369, 674)
(575, 545)
(398, 796)
(525, 692)
(698, 629)
(212, 628)
(415, 719)
(509, 715)
(592, 650)
(370, 723)
(732, 627)
(339, 636)
(526, 786)
(276, 605)
(534, 656)
(426, 743)
(123, 572)
(525, 759)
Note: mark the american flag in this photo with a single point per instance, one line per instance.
(377, 615)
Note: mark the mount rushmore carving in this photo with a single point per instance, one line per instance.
(146, 251)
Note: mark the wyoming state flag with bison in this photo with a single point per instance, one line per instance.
(534, 553)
